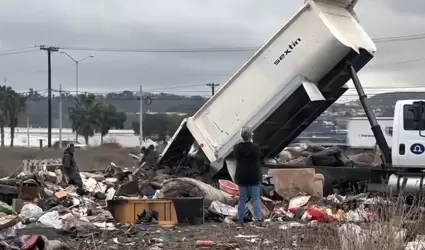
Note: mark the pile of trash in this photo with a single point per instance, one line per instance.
(307, 208)
(361, 221)
(314, 155)
(47, 210)
(40, 206)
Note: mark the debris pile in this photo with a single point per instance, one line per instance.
(313, 155)
(43, 204)
(140, 207)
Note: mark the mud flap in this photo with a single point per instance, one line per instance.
(231, 168)
(226, 168)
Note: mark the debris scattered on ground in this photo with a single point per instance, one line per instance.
(314, 155)
(39, 207)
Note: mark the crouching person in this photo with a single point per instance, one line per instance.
(248, 175)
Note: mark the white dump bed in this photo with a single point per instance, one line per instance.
(284, 87)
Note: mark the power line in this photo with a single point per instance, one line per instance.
(223, 49)
(399, 38)
(172, 88)
(192, 50)
(18, 51)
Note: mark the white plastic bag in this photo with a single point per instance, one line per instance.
(224, 209)
(31, 211)
(93, 186)
(51, 219)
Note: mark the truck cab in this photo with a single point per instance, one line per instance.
(408, 145)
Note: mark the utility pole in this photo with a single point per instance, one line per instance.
(141, 116)
(212, 86)
(60, 116)
(49, 91)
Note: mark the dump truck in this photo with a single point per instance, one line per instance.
(288, 83)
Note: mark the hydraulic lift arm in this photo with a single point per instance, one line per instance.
(376, 128)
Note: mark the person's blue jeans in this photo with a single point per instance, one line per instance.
(247, 193)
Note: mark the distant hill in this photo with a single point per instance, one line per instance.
(389, 99)
(125, 102)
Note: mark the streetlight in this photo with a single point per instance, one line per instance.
(77, 62)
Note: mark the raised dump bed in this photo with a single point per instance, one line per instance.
(283, 88)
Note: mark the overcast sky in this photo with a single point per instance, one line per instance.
(182, 24)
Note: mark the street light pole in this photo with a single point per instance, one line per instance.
(141, 116)
(76, 77)
(60, 116)
(77, 63)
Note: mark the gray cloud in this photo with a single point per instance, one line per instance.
(411, 6)
(176, 24)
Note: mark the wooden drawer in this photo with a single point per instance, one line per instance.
(126, 211)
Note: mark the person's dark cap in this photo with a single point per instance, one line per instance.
(71, 145)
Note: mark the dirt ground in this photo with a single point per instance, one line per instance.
(250, 237)
(224, 236)
(87, 159)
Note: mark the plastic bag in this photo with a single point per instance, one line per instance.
(51, 219)
(224, 209)
(31, 211)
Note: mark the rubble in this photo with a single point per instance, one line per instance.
(187, 187)
(314, 155)
(51, 211)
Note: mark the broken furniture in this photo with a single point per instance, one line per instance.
(126, 211)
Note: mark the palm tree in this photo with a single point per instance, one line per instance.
(15, 104)
(2, 121)
(109, 118)
(4, 92)
(84, 116)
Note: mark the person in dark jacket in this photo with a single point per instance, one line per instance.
(71, 168)
(248, 175)
(143, 152)
(150, 156)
